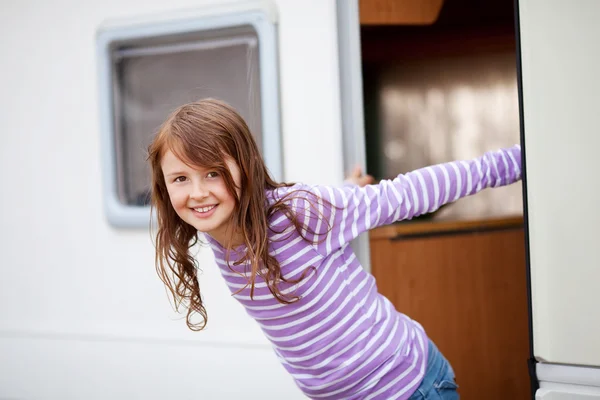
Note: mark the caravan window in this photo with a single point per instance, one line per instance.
(152, 79)
(149, 75)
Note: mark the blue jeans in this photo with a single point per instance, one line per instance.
(438, 383)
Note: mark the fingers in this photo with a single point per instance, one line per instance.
(366, 180)
(356, 172)
(356, 177)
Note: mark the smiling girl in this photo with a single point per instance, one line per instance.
(283, 251)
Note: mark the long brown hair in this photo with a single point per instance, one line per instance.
(203, 134)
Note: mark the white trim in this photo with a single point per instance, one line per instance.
(351, 91)
(351, 100)
(560, 391)
(568, 374)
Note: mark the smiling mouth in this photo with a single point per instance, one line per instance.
(203, 210)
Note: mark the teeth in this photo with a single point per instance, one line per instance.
(204, 209)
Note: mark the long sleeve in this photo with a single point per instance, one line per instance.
(346, 212)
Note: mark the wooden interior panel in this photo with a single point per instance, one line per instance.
(435, 12)
(399, 12)
(469, 292)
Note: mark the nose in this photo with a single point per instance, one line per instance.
(199, 191)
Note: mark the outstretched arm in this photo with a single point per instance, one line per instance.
(356, 209)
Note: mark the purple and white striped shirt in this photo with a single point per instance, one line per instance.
(344, 340)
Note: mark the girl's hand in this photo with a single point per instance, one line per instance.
(356, 177)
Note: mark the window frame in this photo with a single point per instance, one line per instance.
(261, 17)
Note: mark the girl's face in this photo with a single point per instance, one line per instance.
(200, 196)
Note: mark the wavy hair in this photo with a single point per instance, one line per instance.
(203, 134)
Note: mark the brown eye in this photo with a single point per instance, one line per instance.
(179, 179)
(212, 174)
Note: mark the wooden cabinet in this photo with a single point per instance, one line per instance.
(394, 12)
(466, 284)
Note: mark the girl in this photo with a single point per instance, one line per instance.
(283, 251)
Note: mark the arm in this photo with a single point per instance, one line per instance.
(355, 209)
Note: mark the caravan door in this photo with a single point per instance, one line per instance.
(560, 60)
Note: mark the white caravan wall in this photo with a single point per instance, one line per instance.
(561, 87)
(82, 313)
